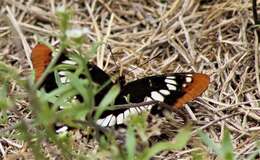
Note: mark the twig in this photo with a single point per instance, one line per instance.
(254, 9)
(257, 62)
(215, 121)
(21, 35)
(255, 15)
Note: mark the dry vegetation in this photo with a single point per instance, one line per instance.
(216, 37)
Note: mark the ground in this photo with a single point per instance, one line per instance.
(218, 38)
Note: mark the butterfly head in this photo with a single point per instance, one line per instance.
(121, 81)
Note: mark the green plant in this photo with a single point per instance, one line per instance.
(224, 150)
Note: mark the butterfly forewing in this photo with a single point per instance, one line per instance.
(41, 57)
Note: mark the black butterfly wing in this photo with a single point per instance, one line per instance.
(97, 75)
(41, 57)
(149, 87)
(174, 89)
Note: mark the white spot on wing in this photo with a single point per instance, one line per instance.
(138, 109)
(61, 107)
(157, 96)
(133, 110)
(148, 99)
(149, 107)
(64, 79)
(164, 92)
(188, 79)
(74, 100)
(150, 83)
(170, 81)
(99, 121)
(171, 77)
(143, 108)
(62, 129)
(68, 62)
(62, 73)
(112, 121)
(120, 118)
(171, 87)
(126, 113)
(184, 85)
(106, 120)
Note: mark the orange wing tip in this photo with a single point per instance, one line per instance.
(199, 84)
(41, 57)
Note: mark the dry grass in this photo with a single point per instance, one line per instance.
(213, 37)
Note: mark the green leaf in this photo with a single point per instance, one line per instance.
(45, 115)
(57, 79)
(8, 72)
(180, 141)
(5, 101)
(130, 143)
(107, 100)
(81, 86)
(226, 146)
(211, 145)
(71, 114)
(94, 48)
(225, 150)
(139, 123)
(197, 155)
(182, 138)
(158, 147)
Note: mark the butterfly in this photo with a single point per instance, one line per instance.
(173, 89)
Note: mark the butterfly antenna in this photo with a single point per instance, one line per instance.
(113, 58)
(121, 78)
(147, 61)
